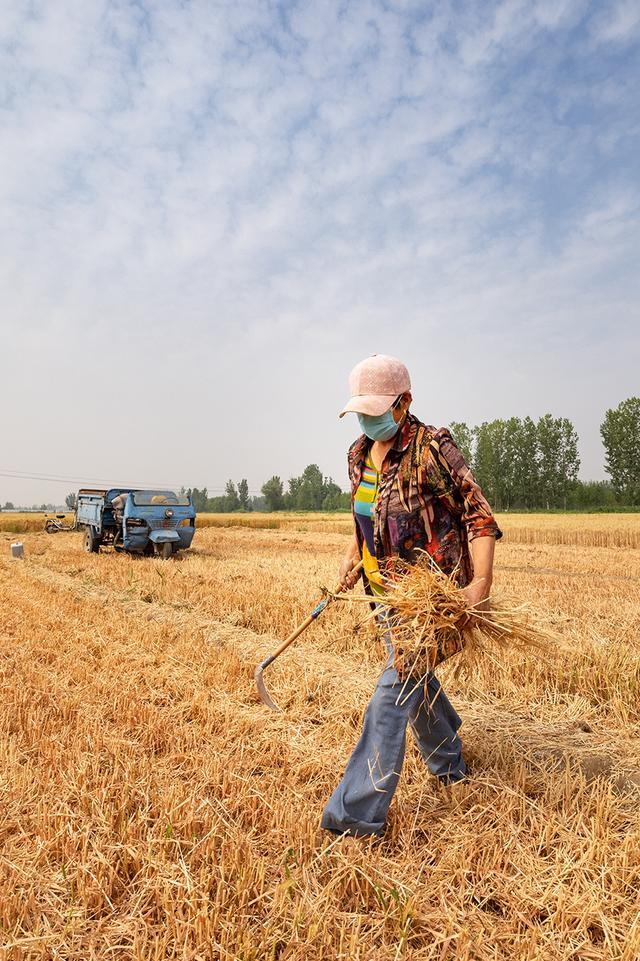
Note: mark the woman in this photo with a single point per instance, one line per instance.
(411, 492)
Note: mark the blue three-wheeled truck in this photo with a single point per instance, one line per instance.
(141, 522)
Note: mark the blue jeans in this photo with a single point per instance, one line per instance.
(360, 803)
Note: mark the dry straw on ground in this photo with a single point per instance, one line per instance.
(152, 808)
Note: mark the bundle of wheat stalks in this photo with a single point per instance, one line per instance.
(431, 620)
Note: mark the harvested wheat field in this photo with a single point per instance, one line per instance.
(151, 807)
(584, 530)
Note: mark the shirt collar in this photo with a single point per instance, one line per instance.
(406, 433)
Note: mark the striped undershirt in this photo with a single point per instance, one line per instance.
(363, 504)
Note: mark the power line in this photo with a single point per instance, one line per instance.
(97, 481)
(66, 479)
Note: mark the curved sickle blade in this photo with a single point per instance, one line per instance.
(265, 697)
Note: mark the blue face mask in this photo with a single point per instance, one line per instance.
(382, 427)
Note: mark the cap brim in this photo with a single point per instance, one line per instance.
(372, 404)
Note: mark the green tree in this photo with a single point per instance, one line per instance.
(345, 501)
(526, 466)
(558, 459)
(510, 439)
(332, 499)
(291, 497)
(311, 491)
(497, 455)
(592, 495)
(620, 432)
(217, 505)
(503, 461)
(310, 494)
(231, 496)
(200, 499)
(243, 495)
(273, 493)
(70, 501)
(548, 432)
(522, 464)
(486, 461)
(464, 438)
(568, 459)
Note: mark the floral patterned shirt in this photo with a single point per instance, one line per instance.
(428, 500)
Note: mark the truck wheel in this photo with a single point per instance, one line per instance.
(91, 542)
(164, 550)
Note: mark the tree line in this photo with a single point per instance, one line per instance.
(523, 464)
(311, 491)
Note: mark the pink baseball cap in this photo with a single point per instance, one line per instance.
(375, 383)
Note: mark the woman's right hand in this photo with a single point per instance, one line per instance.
(348, 577)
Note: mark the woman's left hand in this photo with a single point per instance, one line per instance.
(477, 593)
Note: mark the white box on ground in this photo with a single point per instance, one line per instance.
(17, 549)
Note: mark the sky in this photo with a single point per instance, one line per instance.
(210, 211)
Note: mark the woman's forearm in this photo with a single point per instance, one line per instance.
(482, 551)
(353, 551)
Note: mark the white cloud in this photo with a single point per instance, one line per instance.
(618, 22)
(283, 193)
